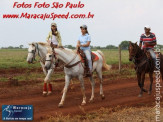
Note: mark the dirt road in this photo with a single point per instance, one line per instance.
(121, 92)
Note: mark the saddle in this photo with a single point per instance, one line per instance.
(84, 60)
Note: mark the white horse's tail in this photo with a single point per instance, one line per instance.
(105, 65)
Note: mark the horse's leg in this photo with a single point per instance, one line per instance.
(151, 82)
(82, 89)
(47, 82)
(139, 81)
(67, 82)
(93, 89)
(50, 72)
(162, 74)
(142, 84)
(43, 67)
(99, 73)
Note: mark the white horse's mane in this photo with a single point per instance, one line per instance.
(65, 50)
(45, 44)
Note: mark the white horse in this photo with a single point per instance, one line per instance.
(74, 68)
(40, 49)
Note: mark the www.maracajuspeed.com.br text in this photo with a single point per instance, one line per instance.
(48, 16)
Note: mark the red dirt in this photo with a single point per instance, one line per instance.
(14, 71)
(118, 92)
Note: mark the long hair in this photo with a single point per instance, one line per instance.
(87, 31)
(54, 32)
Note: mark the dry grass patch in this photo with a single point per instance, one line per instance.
(118, 114)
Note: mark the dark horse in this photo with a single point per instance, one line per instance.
(143, 64)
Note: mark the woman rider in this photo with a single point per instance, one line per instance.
(84, 41)
(54, 37)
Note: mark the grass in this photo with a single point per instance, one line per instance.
(14, 58)
(112, 56)
(117, 114)
(11, 58)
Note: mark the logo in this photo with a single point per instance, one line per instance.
(17, 112)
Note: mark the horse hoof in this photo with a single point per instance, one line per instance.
(91, 101)
(83, 104)
(140, 95)
(44, 94)
(144, 90)
(102, 97)
(60, 105)
(49, 93)
(149, 92)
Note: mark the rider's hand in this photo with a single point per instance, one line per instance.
(78, 45)
(49, 41)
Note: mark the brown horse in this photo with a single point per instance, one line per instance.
(143, 64)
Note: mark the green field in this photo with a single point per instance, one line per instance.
(11, 58)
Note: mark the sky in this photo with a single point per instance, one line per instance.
(114, 21)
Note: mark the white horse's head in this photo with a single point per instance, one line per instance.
(31, 53)
(50, 60)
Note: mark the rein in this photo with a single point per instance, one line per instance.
(66, 65)
(51, 61)
(34, 53)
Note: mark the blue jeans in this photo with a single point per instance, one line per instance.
(153, 55)
(88, 56)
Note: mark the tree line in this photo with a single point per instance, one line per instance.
(124, 46)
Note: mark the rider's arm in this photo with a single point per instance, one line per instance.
(59, 40)
(140, 44)
(78, 44)
(154, 41)
(88, 42)
(141, 41)
(152, 44)
(86, 45)
(48, 37)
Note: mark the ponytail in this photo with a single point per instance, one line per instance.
(87, 31)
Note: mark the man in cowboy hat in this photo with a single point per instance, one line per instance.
(148, 41)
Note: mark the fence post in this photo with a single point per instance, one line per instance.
(119, 58)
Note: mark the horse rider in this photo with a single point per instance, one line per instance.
(83, 43)
(54, 37)
(148, 41)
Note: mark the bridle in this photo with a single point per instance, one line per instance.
(134, 55)
(34, 52)
(51, 61)
(139, 58)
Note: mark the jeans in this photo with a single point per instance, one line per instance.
(153, 55)
(88, 56)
